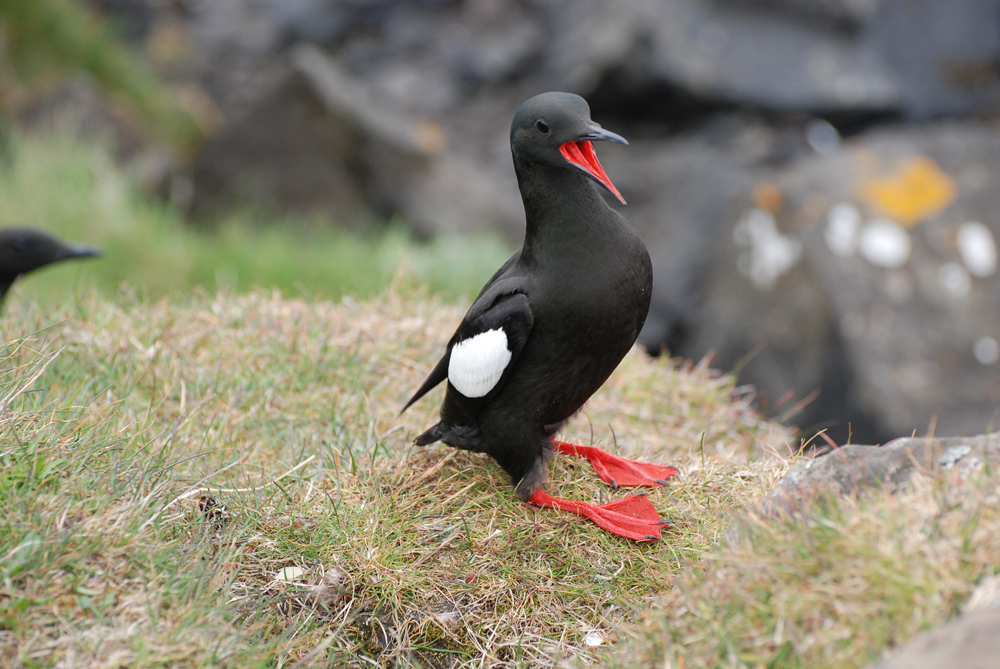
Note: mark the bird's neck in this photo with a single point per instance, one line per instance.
(564, 212)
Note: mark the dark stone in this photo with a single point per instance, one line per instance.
(465, 66)
(843, 15)
(285, 151)
(215, 512)
(680, 194)
(945, 57)
(132, 19)
(318, 139)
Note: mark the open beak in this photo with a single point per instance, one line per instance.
(581, 154)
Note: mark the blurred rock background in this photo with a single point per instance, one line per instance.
(818, 181)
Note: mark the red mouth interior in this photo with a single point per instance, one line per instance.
(582, 154)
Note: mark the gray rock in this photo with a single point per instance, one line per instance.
(319, 139)
(986, 596)
(834, 14)
(971, 641)
(899, 230)
(465, 66)
(778, 337)
(729, 277)
(832, 57)
(943, 55)
(283, 150)
(765, 58)
(849, 470)
(681, 193)
(858, 470)
(871, 278)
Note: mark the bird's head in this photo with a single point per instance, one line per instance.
(555, 129)
(25, 249)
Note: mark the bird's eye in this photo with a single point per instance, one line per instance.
(542, 126)
(19, 244)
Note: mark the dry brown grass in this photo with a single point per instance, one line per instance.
(413, 556)
(837, 585)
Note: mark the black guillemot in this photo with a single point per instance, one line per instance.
(23, 250)
(552, 324)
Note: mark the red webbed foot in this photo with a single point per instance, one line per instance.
(632, 517)
(617, 471)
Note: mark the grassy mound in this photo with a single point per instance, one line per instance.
(836, 589)
(341, 544)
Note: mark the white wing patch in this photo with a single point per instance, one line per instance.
(477, 363)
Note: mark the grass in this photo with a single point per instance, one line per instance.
(421, 557)
(835, 589)
(48, 40)
(342, 544)
(75, 190)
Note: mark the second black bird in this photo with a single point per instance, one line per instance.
(24, 250)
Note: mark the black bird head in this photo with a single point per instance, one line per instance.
(555, 129)
(25, 249)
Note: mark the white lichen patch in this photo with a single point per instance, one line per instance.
(770, 253)
(977, 248)
(953, 455)
(884, 243)
(843, 222)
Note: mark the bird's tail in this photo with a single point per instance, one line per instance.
(430, 436)
(465, 437)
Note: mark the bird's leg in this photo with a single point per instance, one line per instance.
(617, 471)
(632, 517)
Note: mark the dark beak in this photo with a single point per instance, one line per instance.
(599, 133)
(79, 251)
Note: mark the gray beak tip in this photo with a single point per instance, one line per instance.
(82, 251)
(600, 133)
